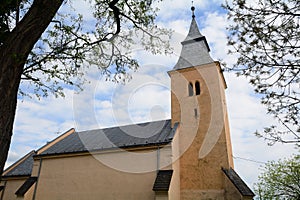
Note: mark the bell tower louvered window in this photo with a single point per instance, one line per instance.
(191, 89)
(197, 88)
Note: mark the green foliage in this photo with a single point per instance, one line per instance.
(71, 47)
(265, 35)
(280, 180)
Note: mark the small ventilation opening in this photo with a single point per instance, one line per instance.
(196, 113)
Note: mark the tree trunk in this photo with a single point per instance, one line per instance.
(13, 55)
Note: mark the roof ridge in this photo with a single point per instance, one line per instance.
(57, 139)
(122, 126)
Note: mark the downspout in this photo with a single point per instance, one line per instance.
(158, 159)
(157, 166)
(37, 181)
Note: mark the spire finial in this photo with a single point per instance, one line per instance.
(193, 9)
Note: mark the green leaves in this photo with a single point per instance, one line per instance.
(280, 180)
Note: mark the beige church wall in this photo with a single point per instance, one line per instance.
(174, 190)
(203, 195)
(12, 185)
(222, 84)
(165, 157)
(228, 142)
(204, 135)
(161, 196)
(196, 174)
(148, 158)
(86, 177)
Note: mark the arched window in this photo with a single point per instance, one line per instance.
(190, 89)
(197, 87)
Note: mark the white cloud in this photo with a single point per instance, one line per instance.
(83, 7)
(247, 115)
(176, 9)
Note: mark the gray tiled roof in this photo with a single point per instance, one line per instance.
(163, 180)
(26, 186)
(195, 49)
(238, 182)
(23, 168)
(150, 133)
(194, 32)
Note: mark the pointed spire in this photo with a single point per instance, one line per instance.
(195, 49)
(193, 32)
(193, 9)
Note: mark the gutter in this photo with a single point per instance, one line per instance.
(15, 176)
(153, 145)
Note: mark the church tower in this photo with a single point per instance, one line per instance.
(198, 108)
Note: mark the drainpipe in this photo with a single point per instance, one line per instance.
(158, 159)
(37, 181)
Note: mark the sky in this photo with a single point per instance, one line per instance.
(147, 96)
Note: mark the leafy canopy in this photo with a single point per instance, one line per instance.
(265, 34)
(280, 180)
(72, 46)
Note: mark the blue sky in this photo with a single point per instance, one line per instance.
(105, 104)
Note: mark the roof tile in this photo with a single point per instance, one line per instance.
(26, 186)
(195, 49)
(150, 133)
(23, 167)
(163, 180)
(238, 182)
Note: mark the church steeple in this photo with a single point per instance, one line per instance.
(195, 49)
(198, 107)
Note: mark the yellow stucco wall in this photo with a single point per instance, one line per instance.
(86, 177)
(161, 196)
(12, 185)
(204, 131)
(174, 190)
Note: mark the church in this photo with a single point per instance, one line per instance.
(187, 157)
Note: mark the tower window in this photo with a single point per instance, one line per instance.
(197, 87)
(190, 88)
